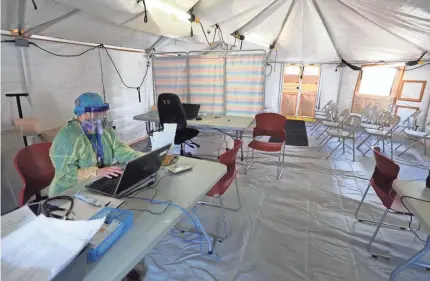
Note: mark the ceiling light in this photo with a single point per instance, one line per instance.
(168, 9)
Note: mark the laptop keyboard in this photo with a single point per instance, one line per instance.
(105, 185)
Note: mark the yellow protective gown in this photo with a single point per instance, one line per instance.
(75, 160)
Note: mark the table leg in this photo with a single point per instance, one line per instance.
(411, 260)
(239, 135)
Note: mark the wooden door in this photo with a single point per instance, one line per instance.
(309, 90)
(290, 90)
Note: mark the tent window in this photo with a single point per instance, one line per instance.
(377, 81)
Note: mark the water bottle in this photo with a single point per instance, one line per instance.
(428, 181)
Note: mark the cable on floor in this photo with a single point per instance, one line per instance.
(410, 217)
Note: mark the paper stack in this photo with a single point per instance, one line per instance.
(38, 248)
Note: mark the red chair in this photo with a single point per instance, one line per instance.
(386, 171)
(35, 169)
(268, 125)
(228, 158)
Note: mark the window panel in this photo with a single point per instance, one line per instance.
(377, 81)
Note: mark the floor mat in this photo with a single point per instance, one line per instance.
(296, 133)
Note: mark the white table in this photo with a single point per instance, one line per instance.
(222, 123)
(420, 209)
(184, 189)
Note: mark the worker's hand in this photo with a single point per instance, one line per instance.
(109, 172)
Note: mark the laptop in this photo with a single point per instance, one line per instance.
(137, 173)
(191, 110)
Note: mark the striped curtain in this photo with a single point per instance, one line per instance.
(245, 85)
(207, 83)
(170, 75)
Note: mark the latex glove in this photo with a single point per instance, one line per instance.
(109, 172)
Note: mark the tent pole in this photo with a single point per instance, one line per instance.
(282, 27)
(339, 84)
(45, 25)
(326, 28)
(380, 26)
(77, 43)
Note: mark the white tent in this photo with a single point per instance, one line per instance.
(301, 30)
(301, 227)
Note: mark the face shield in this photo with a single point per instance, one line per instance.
(95, 120)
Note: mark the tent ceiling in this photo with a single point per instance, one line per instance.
(304, 30)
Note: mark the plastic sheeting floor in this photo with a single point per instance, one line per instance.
(301, 227)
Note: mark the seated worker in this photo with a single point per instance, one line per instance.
(87, 146)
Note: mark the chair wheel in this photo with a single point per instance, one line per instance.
(375, 257)
(360, 220)
(210, 252)
(220, 240)
(428, 268)
(403, 228)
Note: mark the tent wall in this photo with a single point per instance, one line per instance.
(54, 83)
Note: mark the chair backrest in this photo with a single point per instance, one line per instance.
(228, 158)
(412, 120)
(374, 114)
(386, 171)
(366, 109)
(170, 110)
(384, 118)
(270, 124)
(35, 169)
(343, 115)
(329, 103)
(352, 122)
(393, 122)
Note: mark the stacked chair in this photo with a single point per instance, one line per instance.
(326, 114)
(336, 122)
(384, 130)
(415, 137)
(346, 130)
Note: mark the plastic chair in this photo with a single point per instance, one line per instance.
(385, 173)
(271, 125)
(228, 158)
(170, 110)
(35, 169)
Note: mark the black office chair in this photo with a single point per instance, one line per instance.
(170, 110)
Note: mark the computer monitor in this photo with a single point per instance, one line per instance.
(191, 110)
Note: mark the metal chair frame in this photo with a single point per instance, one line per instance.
(280, 165)
(393, 123)
(351, 123)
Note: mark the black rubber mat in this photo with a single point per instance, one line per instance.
(296, 133)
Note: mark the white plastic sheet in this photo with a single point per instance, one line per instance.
(301, 227)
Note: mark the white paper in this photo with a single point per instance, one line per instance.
(160, 139)
(45, 246)
(16, 219)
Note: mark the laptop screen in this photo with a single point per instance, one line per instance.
(191, 109)
(142, 168)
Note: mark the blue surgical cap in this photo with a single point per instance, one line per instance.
(87, 100)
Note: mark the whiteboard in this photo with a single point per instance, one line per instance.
(412, 90)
